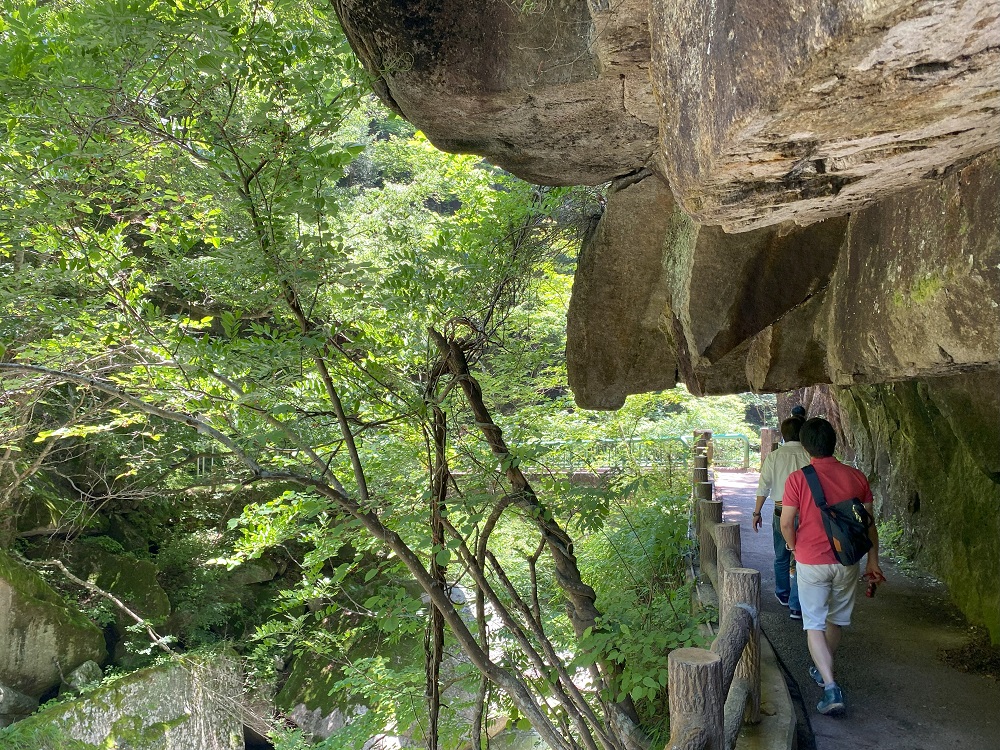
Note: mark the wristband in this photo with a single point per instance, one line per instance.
(756, 514)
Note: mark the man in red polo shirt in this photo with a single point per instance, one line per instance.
(826, 588)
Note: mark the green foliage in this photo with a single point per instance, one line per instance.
(200, 208)
(637, 563)
(894, 544)
(207, 607)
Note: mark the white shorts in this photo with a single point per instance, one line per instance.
(826, 593)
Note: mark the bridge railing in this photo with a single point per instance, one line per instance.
(712, 692)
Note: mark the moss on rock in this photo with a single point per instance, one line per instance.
(41, 633)
(189, 702)
(932, 451)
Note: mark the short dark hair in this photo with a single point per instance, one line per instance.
(799, 411)
(818, 437)
(790, 428)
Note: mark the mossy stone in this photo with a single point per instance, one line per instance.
(42, 634)
(183, 704)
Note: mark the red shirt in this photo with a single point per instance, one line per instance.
(839, 483)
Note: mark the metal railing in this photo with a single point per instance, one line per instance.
(723, 455)
(601, 454)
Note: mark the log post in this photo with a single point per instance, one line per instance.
(699, 475)
(729, 549)
(704, 490)
(710, 512)
(696, 701)
(735, 630)
(741, 586)
(702, 444)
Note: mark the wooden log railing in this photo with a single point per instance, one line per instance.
(712, 693)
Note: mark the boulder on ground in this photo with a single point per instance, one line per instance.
(14, 705)
(41, 634)
(100, 560)
(189, 703)
(88, 673)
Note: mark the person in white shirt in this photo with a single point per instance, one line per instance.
(784, 460)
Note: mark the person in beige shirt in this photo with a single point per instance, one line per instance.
(789, 457)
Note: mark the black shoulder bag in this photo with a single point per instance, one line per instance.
(847, 523)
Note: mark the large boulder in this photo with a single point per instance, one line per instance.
(908, 287)
(756, 113)
(618, 338)
(190, 703)
(15, 705)
(102, 561)
(556, 92)
(775, 113)
(41, 634)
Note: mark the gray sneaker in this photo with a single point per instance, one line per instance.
(817, 677)
(833, 701)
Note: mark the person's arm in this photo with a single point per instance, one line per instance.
(788, 514)
(757, 518)
(763, 490)
(789, 511)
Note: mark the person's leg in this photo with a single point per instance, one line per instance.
(782, 586)
(822, 656)
(832, 637)
(793, 592)
(815, 584)
(843, 589)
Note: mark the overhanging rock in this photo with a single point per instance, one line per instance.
(618, 338)
(658, 298)
(558, 93)
(772, 124)
(757, 112)
(905, 288)
(774, 112)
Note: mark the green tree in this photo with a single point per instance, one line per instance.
(214, 245)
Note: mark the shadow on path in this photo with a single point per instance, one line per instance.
(900, 694)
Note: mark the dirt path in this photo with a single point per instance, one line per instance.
(900, 694)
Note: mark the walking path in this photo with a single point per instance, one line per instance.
(900, 694)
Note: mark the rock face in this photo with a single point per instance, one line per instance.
(931, 449)
(556, 92)
(757, 113)
(773, 113)
(905, 288)
(183, 705)
(39, 634)
(619, 327)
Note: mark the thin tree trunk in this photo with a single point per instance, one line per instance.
(582, 610)
(434, 641)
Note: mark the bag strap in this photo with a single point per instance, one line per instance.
(820, 499)
(817, 489)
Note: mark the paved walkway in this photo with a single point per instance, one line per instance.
(900, 694)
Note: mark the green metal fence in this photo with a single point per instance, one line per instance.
(603, 454)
